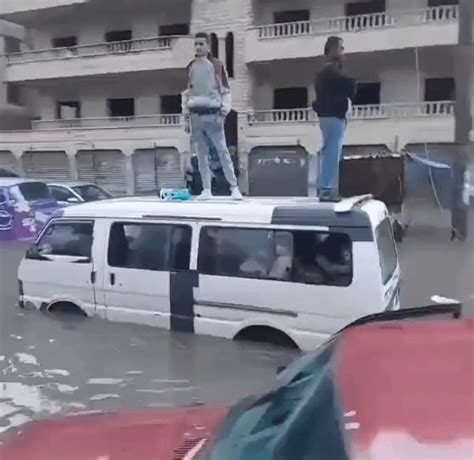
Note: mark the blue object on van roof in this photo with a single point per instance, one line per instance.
(170, 194)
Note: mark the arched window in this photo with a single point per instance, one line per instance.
(229, 54)
(214, 45)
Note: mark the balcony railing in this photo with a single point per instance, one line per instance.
(359, 22)
(359, 112)
(110, 122)
(100, 49)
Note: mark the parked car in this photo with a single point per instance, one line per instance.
(387, 387)
(25, 207)
(67, 193)
(7, 173)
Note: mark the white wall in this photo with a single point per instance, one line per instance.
(221, 17)
(90, 27)
(94, 93)
(395, 70)
(322, 9)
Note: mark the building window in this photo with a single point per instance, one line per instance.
(118, 36)
(368, 93)
(290, 98)
(72, 239)
(121, 107)
(171, 104)
(435, 3)
(13, 94)
(440, 89)
(65, 42)
(282, 17)
(156, 247)
(119, 41)
(174, 29)
(367, 7)
(66, 110)
(229, 54)
(214, 45)
(363, 15)
(12, 45)
(304, 257)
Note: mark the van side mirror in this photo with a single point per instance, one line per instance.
(34, 253)
(281, 369)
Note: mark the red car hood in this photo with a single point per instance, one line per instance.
(148, 435)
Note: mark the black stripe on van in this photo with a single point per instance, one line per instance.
(355, 223)
(182, 286)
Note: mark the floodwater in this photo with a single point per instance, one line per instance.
(50, 365)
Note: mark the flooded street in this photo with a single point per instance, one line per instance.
(50, 365)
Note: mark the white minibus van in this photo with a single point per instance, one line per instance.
(290, 270)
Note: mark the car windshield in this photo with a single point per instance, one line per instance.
(35, 191)
(92, 192)
(299, 419)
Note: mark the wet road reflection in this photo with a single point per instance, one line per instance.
(62, 364)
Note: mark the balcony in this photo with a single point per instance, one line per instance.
(120, 133)
(9, 7)
(368, 125)
(142, 121)
(364, 33)
(158, 53)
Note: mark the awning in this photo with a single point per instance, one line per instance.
(427, 162)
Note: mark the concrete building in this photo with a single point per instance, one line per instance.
(13, 113)
(103, 78)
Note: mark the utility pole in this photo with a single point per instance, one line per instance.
(464, 62)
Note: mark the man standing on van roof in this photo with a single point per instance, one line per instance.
(206, 104)
(335, 93)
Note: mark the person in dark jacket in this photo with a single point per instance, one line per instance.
(335, 93)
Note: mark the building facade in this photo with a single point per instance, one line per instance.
(101, 82)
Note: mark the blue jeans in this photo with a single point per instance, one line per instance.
(333, 130)
(208, 132)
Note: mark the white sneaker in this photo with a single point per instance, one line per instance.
(205, 195)
(236, 195)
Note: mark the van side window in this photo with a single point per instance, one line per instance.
(305, 257)
(235, 252)
(157, 247)
(387, 249)
(67, 239)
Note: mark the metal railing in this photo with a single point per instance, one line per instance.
(359, 22)
(358, 112)
(109, 122)
(305, 115)
(99, 49)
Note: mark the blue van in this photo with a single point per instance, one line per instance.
(26, 205)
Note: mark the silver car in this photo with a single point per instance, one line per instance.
(67, 193)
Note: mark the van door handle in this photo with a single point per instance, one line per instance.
(112, 279)
(93, 277)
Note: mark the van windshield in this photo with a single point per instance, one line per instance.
(35, 191)
(387, 249)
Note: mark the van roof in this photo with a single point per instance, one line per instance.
(9, 181)
(354, 212)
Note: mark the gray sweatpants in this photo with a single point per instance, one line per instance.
(207, 131)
